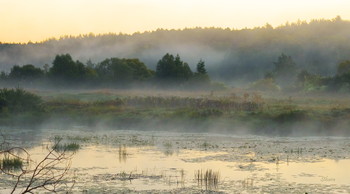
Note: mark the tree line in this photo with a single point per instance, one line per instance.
(112, 72)
(171, 71)
(231, 55)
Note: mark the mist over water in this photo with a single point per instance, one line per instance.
(239, 111)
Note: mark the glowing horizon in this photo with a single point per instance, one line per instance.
(23, 21)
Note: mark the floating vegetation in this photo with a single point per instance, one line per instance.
(168, 145)
(205, 145)
(209, 178)
(79, 138)
(248, 183)
(71, 147)
(168, 149)
(298, 151)
(125, 176)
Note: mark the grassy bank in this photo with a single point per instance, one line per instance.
(221, 112)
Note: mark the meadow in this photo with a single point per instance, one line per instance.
(231, 111)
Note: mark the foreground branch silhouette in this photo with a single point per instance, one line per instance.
(48, 174)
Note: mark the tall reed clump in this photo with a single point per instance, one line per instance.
(209, 178)
(11, 163)
(122, 153)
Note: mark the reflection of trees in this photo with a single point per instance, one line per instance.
(48, 174)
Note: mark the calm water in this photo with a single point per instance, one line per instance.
(171, 166)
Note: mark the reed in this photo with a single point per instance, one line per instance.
(11, 163)
(209, 178)
(122, 153)
(72, 147)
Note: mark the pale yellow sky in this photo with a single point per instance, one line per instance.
(36, 20)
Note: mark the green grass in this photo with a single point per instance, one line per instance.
(191, 110)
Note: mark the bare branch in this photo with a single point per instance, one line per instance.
(46, 174)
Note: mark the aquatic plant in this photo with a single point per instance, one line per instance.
(11, 163)
(72, 147)
(182, 176)
(210, 179)
(125, 176)
(168, 145)
(122, 153)
(205, 145)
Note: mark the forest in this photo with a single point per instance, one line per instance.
(171, 72)
(233, 56)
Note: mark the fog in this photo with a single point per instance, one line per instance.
(231, 56)
(187, 111)
(239, 58)
(218, 126)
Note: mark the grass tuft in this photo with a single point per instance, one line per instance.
(11, 163)
(210, 179)
(72, 147)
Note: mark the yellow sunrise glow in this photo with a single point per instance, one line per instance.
(36, 20)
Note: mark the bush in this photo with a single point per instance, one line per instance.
(18, 100)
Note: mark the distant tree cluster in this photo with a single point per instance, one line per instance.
(26, 73)
(284, 72)
(173, 70)
(110, 72)
(117, 70)
(65, 69)
(288, 76)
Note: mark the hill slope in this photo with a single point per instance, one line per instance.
(229, 54)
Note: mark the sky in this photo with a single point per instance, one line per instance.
(37, 20)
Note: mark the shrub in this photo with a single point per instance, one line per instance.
(18, 100)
